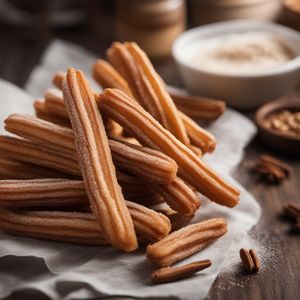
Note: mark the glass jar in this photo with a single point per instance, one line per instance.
(153, 24)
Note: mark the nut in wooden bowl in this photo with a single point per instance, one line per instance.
(279, 125)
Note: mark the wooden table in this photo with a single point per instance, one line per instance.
(21, 49)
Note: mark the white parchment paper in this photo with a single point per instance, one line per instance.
(66, 271)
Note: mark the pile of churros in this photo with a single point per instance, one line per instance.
(119, 168)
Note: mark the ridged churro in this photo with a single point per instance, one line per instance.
(185, 242)
(107, 76)
(12, 169)
(43, 113)
(28, 152)
(179, 196)
(150, 133)
(73, 227)
(150, 164)
(147, 86)
(197, 107)
(150, 224)
(54, 104)
(41, 192)
(132, 187)
(57, 138)
(199, 137)
(58, 193)
(96, 164)
(55, 225)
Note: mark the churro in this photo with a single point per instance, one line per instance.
(57, 138)
(73, 227)
(196, 107)
(179, 196)
(196, 150)
(199, 137)
(28, 152)
(149, 225)
(54, 104)
(41, 192)
(12, 169)
(168, 274)
(96, 164)
(147, 86)
(150, 164)
(58, 79)
(107, 76)
(150, 133)
(132, 187)
(185, 242)
(58, 193)
(43, 113)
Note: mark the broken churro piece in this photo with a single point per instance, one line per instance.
(168, 274)
(12, 169)
(185, 242)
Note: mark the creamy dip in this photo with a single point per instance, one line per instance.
(246, 52)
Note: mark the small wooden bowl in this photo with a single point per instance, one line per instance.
(284, 142)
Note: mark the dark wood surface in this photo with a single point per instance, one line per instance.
(21, 49)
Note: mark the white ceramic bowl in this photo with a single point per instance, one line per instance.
(241, 91)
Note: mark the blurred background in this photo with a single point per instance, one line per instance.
(27, 27)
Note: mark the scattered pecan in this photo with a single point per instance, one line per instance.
(168, 274)
(250, 260)
(292, 210)
(272, 170)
